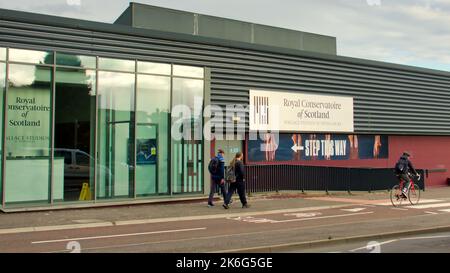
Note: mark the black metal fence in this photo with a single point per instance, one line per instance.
(267, 178)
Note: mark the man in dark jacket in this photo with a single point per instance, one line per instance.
(217, 178)
(239, 185)
(405, 174)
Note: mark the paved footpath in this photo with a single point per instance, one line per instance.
(275, 222)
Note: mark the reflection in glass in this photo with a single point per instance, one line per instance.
(153, 104)
(2, 92)
(116, 64)
(115, 135)
(2, 54)
(74, 130)
(30, 56)
(75, 60)
(153, 68)
(187, 153)
(28, 136)
(188, 71)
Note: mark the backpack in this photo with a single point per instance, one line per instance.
(230, 175)
(213, 165)
(401, 166)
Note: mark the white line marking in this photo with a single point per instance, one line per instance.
(424, 201)
(161, 220)
(221, 216)
(429, 206)
(304, 215)
(445, 210)
(405, 239)
(382, 243)
(354, 210)
(322, 217)
(399, 208)
(426, 237)
(52, 228)
(430, 212)
(117, 235)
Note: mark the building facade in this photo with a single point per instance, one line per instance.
(90, 110)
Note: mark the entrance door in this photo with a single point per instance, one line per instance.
(117, 171)
(147, 153)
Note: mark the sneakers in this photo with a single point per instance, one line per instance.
(246, 206)
(404, 195)
(225, 206)
(210, 205)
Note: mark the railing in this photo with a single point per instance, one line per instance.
(268, 178)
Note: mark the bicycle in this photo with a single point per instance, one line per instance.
(413, 194)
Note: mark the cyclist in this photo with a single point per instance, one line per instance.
(403, 169)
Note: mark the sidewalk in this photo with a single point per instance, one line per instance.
(259, 203)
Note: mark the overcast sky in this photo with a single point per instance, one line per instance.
(413, 32)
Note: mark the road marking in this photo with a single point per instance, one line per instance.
(304, 215)
(53, 228)
(354, 210)
(380, 244)
(160, 220)
(445, 210)
(118, 235)
(227, 215)
(430, 212)
(429, 206)
(426, 237)
(405, 239)
(424, 201)
(250, 219)
(322, 217)
(399, 209)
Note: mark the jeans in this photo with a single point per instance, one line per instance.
(406, 181)
(240, 187)
(214, 185)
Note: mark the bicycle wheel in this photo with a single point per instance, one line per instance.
(414, 194)
(396, 196)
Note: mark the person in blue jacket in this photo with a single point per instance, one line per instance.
(217, 170)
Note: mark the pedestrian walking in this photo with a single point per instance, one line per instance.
(238, 183)
(216, 168)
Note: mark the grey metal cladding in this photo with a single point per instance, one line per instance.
(388, 98)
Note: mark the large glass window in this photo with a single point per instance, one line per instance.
(2, 53)
(188, 71)
(75, 60)
(30, 56)
(74, 131)
(187, 166)
(116, 64)
(2, 92)
(28, 138)
(154, 68)
(115, 134)
(153, 112)
(112, 128)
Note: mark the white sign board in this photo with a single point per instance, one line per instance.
(300, 112)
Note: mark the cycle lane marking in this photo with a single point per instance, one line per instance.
(250, 219)
(117, 235)
(429, 206)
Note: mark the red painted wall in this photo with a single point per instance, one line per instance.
(427, 152)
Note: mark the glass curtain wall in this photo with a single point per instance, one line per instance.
(116, 132)
(2, 93)
(112, 128)
(152, 134)
(28, 129)
(75, 126)
(187, 161)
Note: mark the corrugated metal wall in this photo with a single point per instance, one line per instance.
(388, 98)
